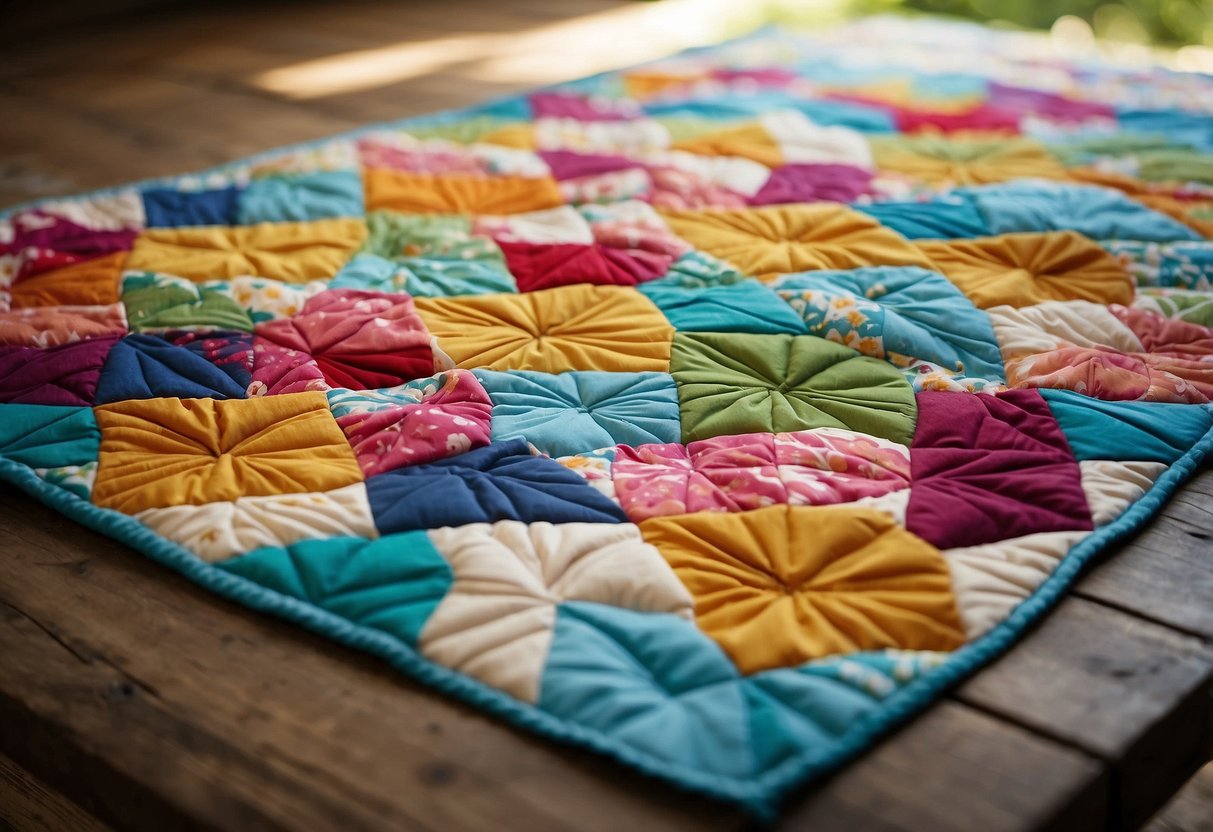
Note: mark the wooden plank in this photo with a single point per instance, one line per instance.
(955, 769)
(1128, 691)
(1166, 573)
(157, 705)
(1191, 810)
(29, 805)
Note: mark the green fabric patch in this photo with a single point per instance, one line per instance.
(731, 384)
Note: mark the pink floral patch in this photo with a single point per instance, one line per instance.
(451, 416)
(749, 471)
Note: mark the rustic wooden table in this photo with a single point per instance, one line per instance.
(131, 698)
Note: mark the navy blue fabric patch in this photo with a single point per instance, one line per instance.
(187, 365)
(166, 208)
(502, 481)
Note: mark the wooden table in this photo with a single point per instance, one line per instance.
(130, 697)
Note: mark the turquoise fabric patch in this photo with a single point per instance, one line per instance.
(939, 219)
(697, 269)
(741, 307)
(47, 436)
(425, 277)
(1127, 431)
(1098, 213)
(392, 584)
(575, 412)
(301, 197)
(370, 272)
(906, 311)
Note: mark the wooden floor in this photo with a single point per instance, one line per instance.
(131, 699)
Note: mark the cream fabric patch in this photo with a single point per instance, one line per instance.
(1031, 330)
(218, 531)
(1112, 486)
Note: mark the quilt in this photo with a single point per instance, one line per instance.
(714, 414)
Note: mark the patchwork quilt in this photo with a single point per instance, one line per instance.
(714, 414)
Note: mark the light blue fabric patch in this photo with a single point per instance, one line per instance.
(392, 584)
(697, 269)
(1098, 213)
(575, 412)
(751, 105)
(924, 315)
(47, 436)
(939, 219)
(1179, 126)
(427, 277)
(370, 272)
(1127, 431)
(741, 307)
(302, 197)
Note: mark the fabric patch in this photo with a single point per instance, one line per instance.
(420, 421)
(563, 225)
(167, 452)
(945, 162)
(1109, 374)
(576, 412)
(1124, 431)
(539, 266)
(502, 481)
(936, 219)
(609, 328)
(1098, 213)
(1023, 269)
(88, 283)
(42, 436)
(181, 365)
(293, 252)
(731, 384)
(454, 193)
(783, 585)
(897, 314)
(750, 471)
(168, 208)
(813, 183)
(218, 531)
(511, 579)
(156, 302)
(987, 468)
(392, 584)
(1046, 326)
(62, 375)
(990, 580)
(741, 307)
(301, 197)
(767, 242)
(51, 326)
(342, 338)
(1111, 487)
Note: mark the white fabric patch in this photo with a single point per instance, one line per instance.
(802, 140)
(1031, 330)
(628, 138)
(116, 212)
(496, 622)
(217, 531)
(743, 176)
(556, 225)
(893, 504)
(1112, 486)
(989, 581)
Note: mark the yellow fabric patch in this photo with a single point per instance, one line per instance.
(768, 242)
(779, 586)
(88, 283)
(457, 193)
(582, 327)
(521, 136)
(965, 161)
(750, 141)
(168, 452)
(1026, 269)
(643, 84)
(294, 252)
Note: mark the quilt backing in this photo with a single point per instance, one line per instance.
(713, 414)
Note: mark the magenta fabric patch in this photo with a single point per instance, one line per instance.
(45, 242)
(563, 105)
(984, 117)
(541, 266)
(987, 468)
(1047, 104)
(63, 375)
(568, 164)
(813, 183)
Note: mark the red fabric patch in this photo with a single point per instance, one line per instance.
(986, 468)
(539, 266)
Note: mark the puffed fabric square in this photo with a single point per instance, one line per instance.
(715, 415)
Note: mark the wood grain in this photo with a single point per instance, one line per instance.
(1131, 692)
(29, 805)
